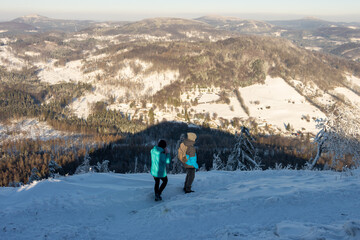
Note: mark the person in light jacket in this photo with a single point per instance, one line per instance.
(187, 155)
(159, 158)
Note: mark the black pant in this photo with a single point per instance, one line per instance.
(190, 176)
(157, 183)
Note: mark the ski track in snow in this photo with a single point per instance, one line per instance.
(274, 204)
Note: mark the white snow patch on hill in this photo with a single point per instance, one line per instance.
(71, 72)
(348, 95)
(354, 80)
(311, 90)
(97, 57)
(32, 54)
(29, 128)
(317, 49)
(208, 97)
(280, 104)
(9, 60)
(225, 205)
(152, 82)
(226, 111)
(82, 106)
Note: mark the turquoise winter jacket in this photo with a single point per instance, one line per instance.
(158, 162)
(192, 161)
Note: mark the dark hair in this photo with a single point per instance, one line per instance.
(162, 144)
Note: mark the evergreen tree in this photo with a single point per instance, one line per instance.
(54, 169)
(35, 175)
(85, 166)
(244, 155)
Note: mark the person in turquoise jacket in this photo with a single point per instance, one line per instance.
(159, 158)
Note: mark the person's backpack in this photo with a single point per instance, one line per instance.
(182, 152)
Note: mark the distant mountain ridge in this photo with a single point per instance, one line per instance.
(238, 24)
(30, 19)
(16, 27)
(45, 24)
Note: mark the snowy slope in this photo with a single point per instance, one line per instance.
(274, 204)
(280, 104)
(30, 128)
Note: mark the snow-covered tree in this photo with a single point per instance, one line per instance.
(85, 166)
(35, 175)
(103, 167)
(217, 162)
(177, 165)
(54, 169)
(244, 155)
(339, 136)
(203, 168)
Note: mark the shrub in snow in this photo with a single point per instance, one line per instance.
(103, 167)
(217, 162)
(279, 166)
(54, 169)
(244, 155)
(339, 136)
(85, 166)
(35, 175)
(203, 168)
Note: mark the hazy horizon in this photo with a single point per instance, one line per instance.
(119, 10)
(137, 17)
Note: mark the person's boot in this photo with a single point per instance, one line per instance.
(157, 197)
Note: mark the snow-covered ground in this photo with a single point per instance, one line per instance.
(29, 128)
(273, 204)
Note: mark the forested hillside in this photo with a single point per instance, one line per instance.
(116, 89)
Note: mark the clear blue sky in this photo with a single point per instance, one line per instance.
(345, 10)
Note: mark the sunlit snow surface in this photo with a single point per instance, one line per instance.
(276, 204)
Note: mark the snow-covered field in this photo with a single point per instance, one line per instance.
(273, 204)
(279, 104)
